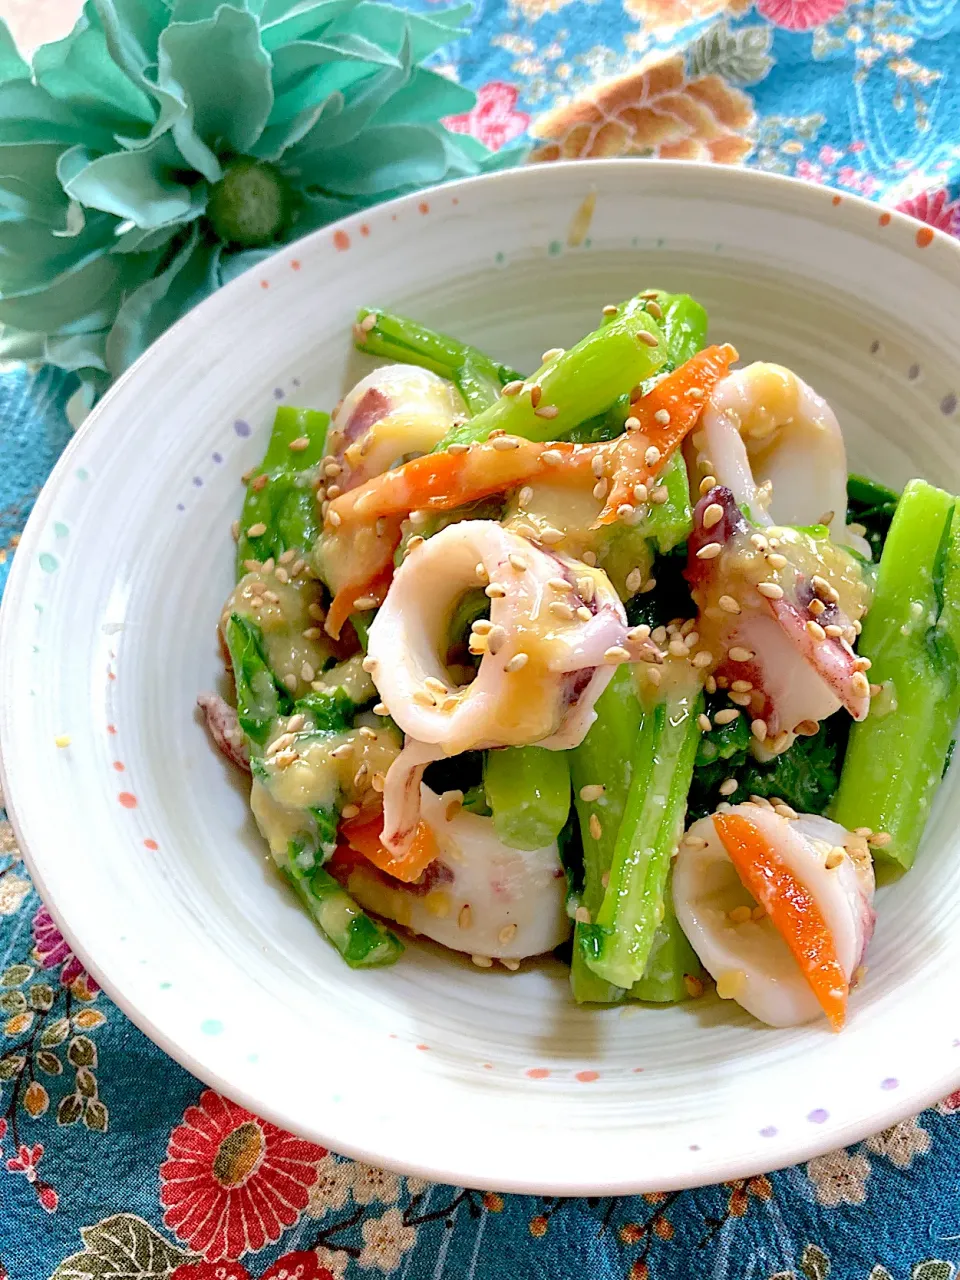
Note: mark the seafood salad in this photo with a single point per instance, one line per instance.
(610, 660)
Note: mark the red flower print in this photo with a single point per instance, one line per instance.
(933, 207)
(291, 1266)
(800, 15)
(949, 1105)
(810, 172)
(493, 119)
(53, 952)
(48, 1198)
(26, 1161)
(231, 1182)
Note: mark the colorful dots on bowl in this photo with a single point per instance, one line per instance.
(127, 799)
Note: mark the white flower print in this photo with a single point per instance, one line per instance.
(331, 1188)
(373, 1186)
(8, 841)
(901, 1143)
(13, 890)
(335, 1261)
(416, 1186)
(839, 1178)
(386, 1240)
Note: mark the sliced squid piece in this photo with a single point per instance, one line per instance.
(556, 631)
(394, 413)
(827, 916)
(779, 613)
(224, 728)
(478, 896)
(777, 446)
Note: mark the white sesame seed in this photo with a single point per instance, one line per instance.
(525, 496)
(552, 457)
(815, 629)
(860, 684)
(551, 354)
(610, 309)
(678, 648)
(625, 511)
(546, 411)
(703, 659)
(482, 962)
(380, 709)
(879, 839)
(739, 654)
(503, 443)
(648, 339)
(726, 716)
(458, 448)
(704, 722)
(600, 489)
(550, 536)
(517, 562)
(616, 653)
(712, 515)
(298, 445)
(496, 639)
(706, 484)
(512, 388)
(369, 665)
(728, 604)
(343, 752)
(648, 586)
(495, 591)
(592, 792)
(728, 786)
(771, 590)
(596, 829)
(662, 416)
(652, 456)
(335, 518)
(465, 918)
(517, 663)
(561, 609)
(290, 680)
(654, 675)
(709, 551)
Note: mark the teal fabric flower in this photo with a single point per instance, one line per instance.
(165, 146)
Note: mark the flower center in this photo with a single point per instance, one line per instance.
(238, 1155)
(248, 206)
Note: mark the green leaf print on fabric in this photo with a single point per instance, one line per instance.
(740, 57)
(123, 1247)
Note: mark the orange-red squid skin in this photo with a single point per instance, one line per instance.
(792, 910)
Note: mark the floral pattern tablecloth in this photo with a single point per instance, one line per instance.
(115, 1162)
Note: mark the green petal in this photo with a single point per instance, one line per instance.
(390, 28)
(28, 182)
(362, 102)
(389, 158)
(12, 66)
(77, 301)
(318, 210)
(426, 98)
(160, 302)
(29, 114)
(81, 351)
(140, 21)
(138, 240)
(80, 71)
(283, 22)
(138, 185)
(222, 72)
(235, 264)
(30, 252)
(276, 139)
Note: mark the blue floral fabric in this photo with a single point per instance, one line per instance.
(117, 1163)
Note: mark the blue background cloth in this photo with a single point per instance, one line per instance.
(115, 1162)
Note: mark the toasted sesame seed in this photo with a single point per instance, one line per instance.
(693, 842)
(741, 699)
(290, 680)
(298, 445)
(815, 629)
(703, 659)
(335, 518)
(625, 511)
(536, 392)
(587, 588)
(653, 675)
(775, 560)
(712, 515)
(517, 562)
(369, 665)
(834, 858)
(860, 684)
(525, 496)
(592, 792)
(582, 916)
(694, 393)
(583, 613)
(423, 699)
(771, 590)
(507, 933)
(435, 685)
(739, 654)
(693, 986)
(726, 716)
(494, 590)
(728, 786)
(286, 556)
(517, 663)
(741, 686)
(652, 456)
(636, 635)
(710, 684)
(739, 915)
(350, 810)
(496, 639)
(465, 918)
(600, 489)
(706, 484)
(504, 443)
(861, 663)
(596, 827)
(758, 728)
(879, 839)
(648, 586)
(482, 962)
(610, 309)
(678, 648)
(343, 752)
(648, 339)
(832, 631)
(259, 483)
(632, 423)
(561, 609)
(817, 607)
(378, 781)
(660, 495)
(634, 581)
(381, 709)
(616, 653)
(512, 388)
(281, 574)
(662, 416)
(546, 411)
(551, 457)
(252, 566)
(709, 551)
(704, 722)
(414, 542)
(728, 604)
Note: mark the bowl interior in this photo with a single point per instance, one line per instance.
(140, 835)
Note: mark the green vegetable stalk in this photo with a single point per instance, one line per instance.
(602, 761)
(394, 337)
(363, 943)
(528, 791)
(286, 504)
(671, 959)
(260, 696)
(619, 942)
(896, 757)
(579, 384)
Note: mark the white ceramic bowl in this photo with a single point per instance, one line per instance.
(139, 836)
